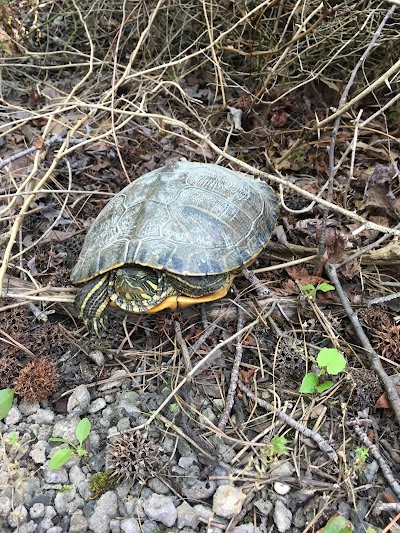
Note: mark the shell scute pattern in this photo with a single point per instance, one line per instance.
(188, 218)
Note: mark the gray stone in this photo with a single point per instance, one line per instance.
(62, 499)
(228, 501)
(199, 490)
(55, 529)
(281, 469)
(282, 517)
(37, 510)
(38, 452)
(105, 509)
(76, 475)
(149, 526)
(79, 400)
(77, 503)
(58, 476)
(14, 416)
(18, 516)
(78, 523)
(371, 470)
(97, 357)
(203, 512)
(187, 516)
(187, 461)
(156, 485)
(160, 508)
(97, 405)
(115, 380)
(134, 507)
(130, 525)
(84, 489)
(27, 408)
(5, 506)
(50, 512)
(124, 488)
(264, 506)
(123, 424)
(65, 428)
(29, 527)
(115, 526)
(45, 525)
(42, 416)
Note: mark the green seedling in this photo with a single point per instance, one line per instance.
(362, 454)
(6, 400)
(337, 524)
(60, 457)
(330, 361)
(277, 446)
(310, 290)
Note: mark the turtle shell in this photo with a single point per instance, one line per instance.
(189, 218)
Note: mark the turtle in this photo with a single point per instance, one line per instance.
(174, 237)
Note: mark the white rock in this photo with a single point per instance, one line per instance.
(161, 509)
(97, 405)
(14, 416)
(187, 516)
(282, 517)
(228, 501)
(97, 357)
(281, 488)
(79, 400)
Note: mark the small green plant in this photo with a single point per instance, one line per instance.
(362, 454)
(13, 440)
(66, 488)
(310, 290)
(277, 446)
(6, 400)
(174, 408)
(101, 482)
(330, 361)
(60, 457)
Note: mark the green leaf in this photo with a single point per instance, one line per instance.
(6, 400)
(337, 524)
(82, 430)
(309, 289)
(325, 287)
(324, 386)
(332, 359)
(309, 383)
(59, 458)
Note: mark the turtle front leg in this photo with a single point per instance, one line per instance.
(91, 302)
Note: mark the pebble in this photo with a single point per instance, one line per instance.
(18, 516)
(27, 408)
(45, 525)
(38, 453)
(105, 508)
(203, 512)
(37, 510)
(65, 428)
(282, 517)
(115, 526)
(128, 401)
(97, 405)
(187, 516)
(42, 416)
(264, 506)
(58, 476)
(5, 506)
(156, 485)
(281, 469)
(14, 416)
(78, 523)
(148, 526)
(281, 488)
(55, 529)
(62, 499)
(187, 461)
(97, 357)
(199, 490)
(76, 475)
(29, 527)
(130, 525)
(228, 501)
(245, 528)
(160, 508)
(79, 400)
